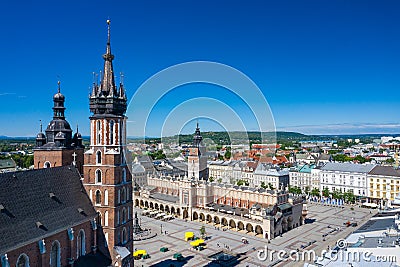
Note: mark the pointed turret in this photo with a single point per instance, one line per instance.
(40, 138)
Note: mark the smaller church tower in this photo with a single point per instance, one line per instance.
(58, 147)
(197, 160)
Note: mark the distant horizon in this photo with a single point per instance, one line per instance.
(186, 133)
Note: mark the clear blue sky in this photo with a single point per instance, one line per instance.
(323, 66)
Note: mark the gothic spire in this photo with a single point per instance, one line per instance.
(107, 86)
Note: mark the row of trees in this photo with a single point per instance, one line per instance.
(344, 158)
(348, 197)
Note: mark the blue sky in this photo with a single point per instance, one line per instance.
(323, 66)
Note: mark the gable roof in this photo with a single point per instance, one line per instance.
(41, 203)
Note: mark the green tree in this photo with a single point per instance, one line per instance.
(263, 185)
(219, 180)
(325, 192)
(240, 182)
(315, 192)
(211, 179)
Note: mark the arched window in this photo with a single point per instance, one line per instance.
(123, 195)
(81, 248)
(129, 213)
(98, 197)
(91, 194)
(112, 132)
(123, 215)
(98, 176)
(55, 256)
(106, 197)
(106, 240)
(124, 236)
(98, 157)
(119, 196)
(117, 217)
(106, 218)
(124, 175)
(98, 131)
(23, 261)
(47, 164)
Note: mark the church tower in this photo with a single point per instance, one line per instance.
(197, 160)
(107, 178)
(58, 147)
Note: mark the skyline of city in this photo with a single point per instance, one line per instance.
(324, 68)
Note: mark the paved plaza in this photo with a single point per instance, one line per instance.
(317, 234)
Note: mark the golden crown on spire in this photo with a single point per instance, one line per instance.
(108, 22)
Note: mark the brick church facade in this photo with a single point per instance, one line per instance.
(75, 208)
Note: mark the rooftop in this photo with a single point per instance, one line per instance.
(348, 167)
(40, 203)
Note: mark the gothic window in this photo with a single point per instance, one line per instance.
(98, 131)
(55, 257)
(117, 217)
(123, 197)
(106, 197)
(98, 176)
(98, 197)
(111, 132)
(106, 240)
(47, 164)
(98, 157)
(123, 215)
(124, 236)
(106, 218)
(91, 194)
(23, 261)
(124, 175)
(81, 249)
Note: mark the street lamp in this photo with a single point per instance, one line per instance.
(161, 228)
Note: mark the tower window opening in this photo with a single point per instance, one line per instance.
(98, 131)
(111, 132)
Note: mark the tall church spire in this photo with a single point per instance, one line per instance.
(105, 98)
(107, 86)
